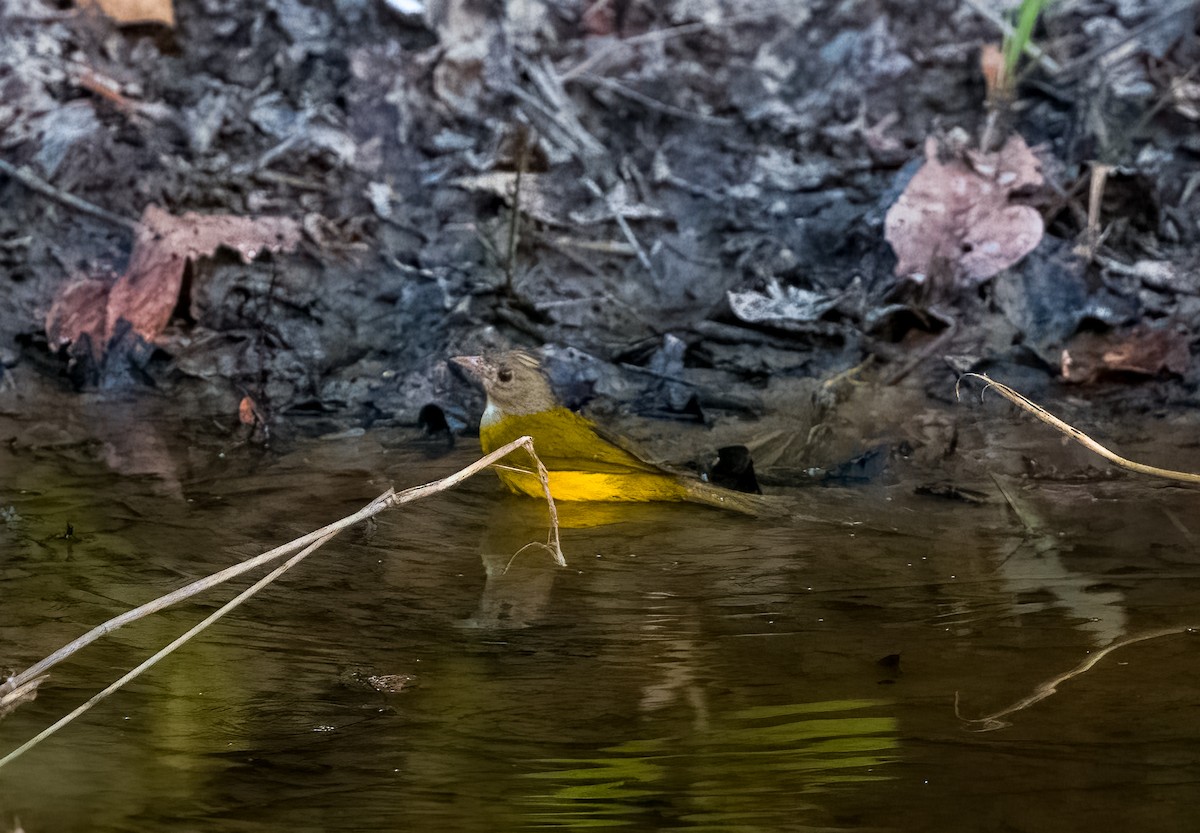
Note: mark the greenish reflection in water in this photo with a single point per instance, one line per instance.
(717, 778)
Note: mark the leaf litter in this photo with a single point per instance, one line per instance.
(738, 178)
(148, 291)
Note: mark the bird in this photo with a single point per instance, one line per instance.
(584, 463)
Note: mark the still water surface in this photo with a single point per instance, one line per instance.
(687, 670)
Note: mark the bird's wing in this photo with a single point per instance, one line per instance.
(588, 444)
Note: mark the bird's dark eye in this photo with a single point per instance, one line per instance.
(504, 374)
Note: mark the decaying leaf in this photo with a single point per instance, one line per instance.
(135, 11)
(781, 306)
(80, 308)
(1142, 351)
(555, 206)
(247, 411)
(535, 200)
(960, 214)
(148, 291)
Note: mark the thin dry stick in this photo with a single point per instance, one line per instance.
(21, 688)
(651, 102)
(995, 720)
(387, 500)
(1099, 178)
(1092, 234)
(510, 260)
(374, 507)
(550, 101)
(1101, 54)
(922, 354)
(623, 224)
(665, 34)
(169, 649)
(25, 175)
(1074, 433)
(991, 722)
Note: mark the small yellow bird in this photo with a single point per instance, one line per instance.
(582, 464)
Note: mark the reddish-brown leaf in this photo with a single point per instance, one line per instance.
(247, 411)
(146, 294)
(1141, 351)
(149, 290)
(79, 309)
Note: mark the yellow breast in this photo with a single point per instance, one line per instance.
(582, 465)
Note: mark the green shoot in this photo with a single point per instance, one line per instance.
(1018, 39)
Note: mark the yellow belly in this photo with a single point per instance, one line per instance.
(595, 486)
(582, 465)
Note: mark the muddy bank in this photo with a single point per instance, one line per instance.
(685, 204)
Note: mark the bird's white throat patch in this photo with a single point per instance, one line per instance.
(491, 415)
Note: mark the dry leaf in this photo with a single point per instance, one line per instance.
(1141, 352)
(80, 308)
(961, 216)
(148, 292)
(134, 11)
(780, 306)
(535, 201)
(247, 411)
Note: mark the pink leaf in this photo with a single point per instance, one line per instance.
(962, 215)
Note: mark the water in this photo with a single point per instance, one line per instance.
(687, 670)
